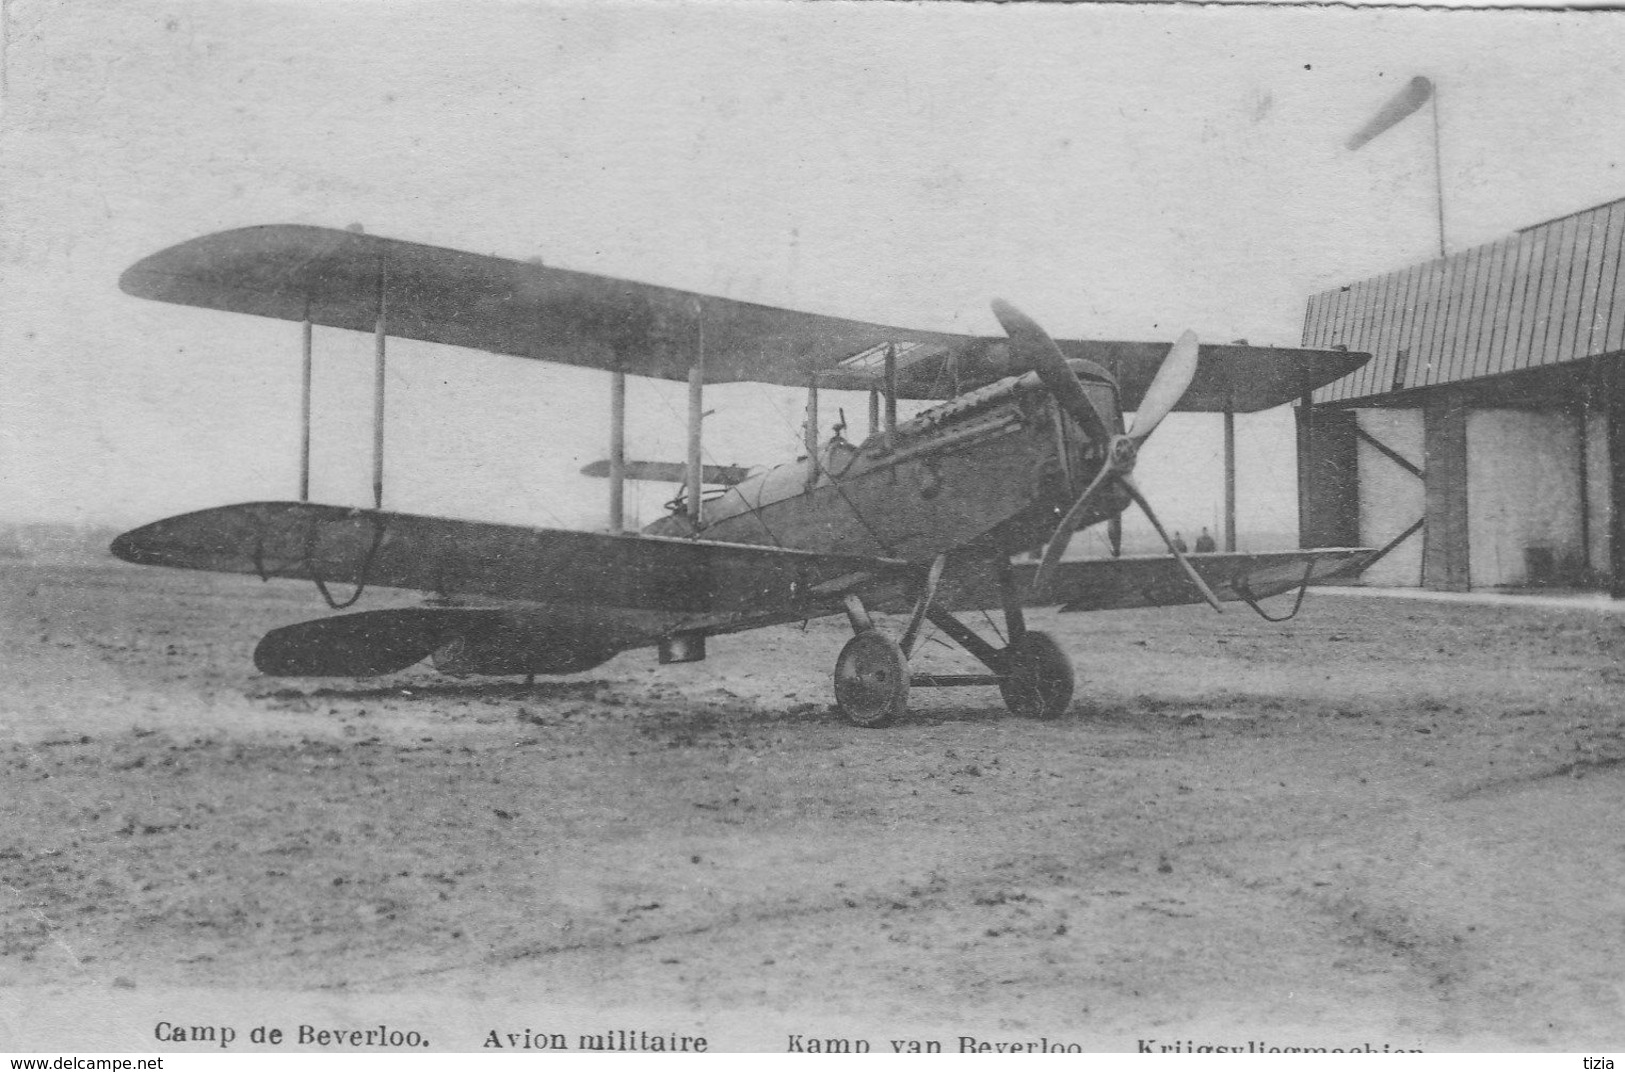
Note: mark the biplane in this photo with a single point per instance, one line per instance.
(925, 517)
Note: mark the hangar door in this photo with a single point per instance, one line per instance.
(1525, 502)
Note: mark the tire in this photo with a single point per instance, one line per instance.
(871, 680)
(1039, 681)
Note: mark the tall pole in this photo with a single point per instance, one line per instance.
(617, 451)
(1229, 478)
(304, 410)
(378, 390)
(1407, 102)
(1438, 169)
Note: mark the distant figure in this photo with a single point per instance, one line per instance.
(1204, 543)
(1179, 543)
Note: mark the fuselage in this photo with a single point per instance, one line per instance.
(989, 470)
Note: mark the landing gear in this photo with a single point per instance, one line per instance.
(871, 679)
(1038, 677)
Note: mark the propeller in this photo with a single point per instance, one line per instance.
(1168, 386)
(1033, 345)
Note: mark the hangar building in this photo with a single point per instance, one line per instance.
(1483, 445)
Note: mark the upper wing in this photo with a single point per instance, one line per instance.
(658, 583)
(523, 308)
(1156, 580)
(504, 306)
(1240, 378)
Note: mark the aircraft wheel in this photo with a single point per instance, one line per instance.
(871, 679)
(1039, 681)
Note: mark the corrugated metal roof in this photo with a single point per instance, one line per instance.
(1548, 294)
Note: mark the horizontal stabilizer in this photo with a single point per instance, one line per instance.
(671, 472)
(363, 645)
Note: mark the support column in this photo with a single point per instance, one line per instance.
(378, 390)
(1229, 478)
(617, 451)
(1613, 407)
(1584, 461)
(874, 411)
(1598, 476)
(304, 410)
(1328, 478)
(1445, 537)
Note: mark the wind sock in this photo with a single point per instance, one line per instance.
(1406, 101)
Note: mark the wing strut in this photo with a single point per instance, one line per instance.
(696, 414)
(617, 451)
(1229, 476)
(304, 407)
(809, 432)
(380, 333)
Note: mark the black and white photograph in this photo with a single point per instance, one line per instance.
(537, 526)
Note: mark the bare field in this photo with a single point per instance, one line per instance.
(1393, 821)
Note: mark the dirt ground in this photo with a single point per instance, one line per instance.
(1390, 822)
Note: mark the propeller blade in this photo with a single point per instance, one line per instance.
(1167, 388)
(1190, 571)
(367, 644)
(1063, 532)
(1114, 534)
(1034, 346)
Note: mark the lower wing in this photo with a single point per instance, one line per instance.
(1155, 580)
(523, 600)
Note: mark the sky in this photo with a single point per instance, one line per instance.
(1116, 171)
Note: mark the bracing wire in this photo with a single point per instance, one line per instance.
(361, 578)
(753, 509)
(991, 624)
(784, 415)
